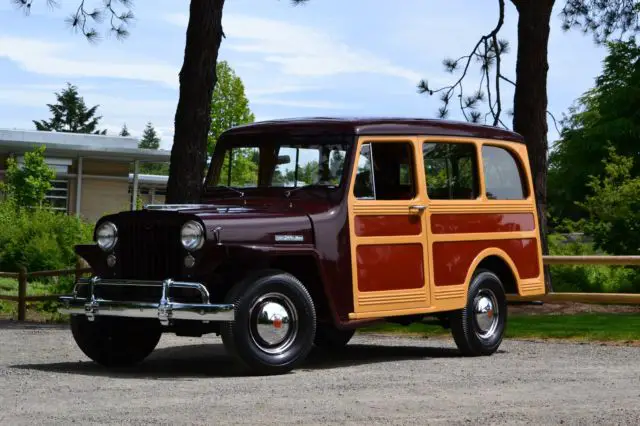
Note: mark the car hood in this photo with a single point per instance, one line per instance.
(246, 224)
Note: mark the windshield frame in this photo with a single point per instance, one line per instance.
(268, 139)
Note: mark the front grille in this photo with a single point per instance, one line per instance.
(149, 249)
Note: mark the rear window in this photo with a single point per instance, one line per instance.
(503, 174)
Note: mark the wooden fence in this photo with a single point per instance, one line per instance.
(23, 277)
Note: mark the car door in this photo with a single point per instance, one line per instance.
(388, 232)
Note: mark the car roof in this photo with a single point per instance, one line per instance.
(375, 126)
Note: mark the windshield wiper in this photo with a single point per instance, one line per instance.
(311, 185)
(230, 188)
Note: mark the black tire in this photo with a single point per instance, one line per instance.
(330, 337)
(285, 295)
(472, 336)
(116, 342)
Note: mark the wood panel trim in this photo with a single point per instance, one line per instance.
(485, 236)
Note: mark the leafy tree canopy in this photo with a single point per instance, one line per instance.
(28, 185)
(605, 116)
(71, 115)
(229, 104)
(614, 207)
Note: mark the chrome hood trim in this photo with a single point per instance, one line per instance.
(176, 207)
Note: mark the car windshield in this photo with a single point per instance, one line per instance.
(285, 163)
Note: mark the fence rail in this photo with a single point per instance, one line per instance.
(23, 277)
(591, 260)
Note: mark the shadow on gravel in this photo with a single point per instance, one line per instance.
(211, 360)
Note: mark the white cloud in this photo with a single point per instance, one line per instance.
(311, 104)
(299, 50)
(277, 89)
(56, 59)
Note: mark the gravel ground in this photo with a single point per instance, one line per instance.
(45, 379)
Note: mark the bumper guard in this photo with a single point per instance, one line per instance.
(165, 310)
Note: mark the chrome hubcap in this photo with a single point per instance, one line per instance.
(273, 323)
(485, 306)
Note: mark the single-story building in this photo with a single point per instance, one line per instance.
(95, 174)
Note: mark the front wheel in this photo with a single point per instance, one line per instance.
(275, 322)
(115, 341)
(478, 328)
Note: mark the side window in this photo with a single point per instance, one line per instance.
(385, 172)
(451, 170)
(502, 174)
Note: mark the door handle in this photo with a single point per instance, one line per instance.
(418, 207)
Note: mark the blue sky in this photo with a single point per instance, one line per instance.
(328, 58)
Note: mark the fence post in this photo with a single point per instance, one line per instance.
(22, 293)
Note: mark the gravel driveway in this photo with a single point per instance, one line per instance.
(44, 379)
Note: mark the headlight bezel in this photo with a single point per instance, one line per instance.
(114, 239)
(198, 241)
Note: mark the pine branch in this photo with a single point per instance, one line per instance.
(602, 18)
(83, 18)
(488, 52)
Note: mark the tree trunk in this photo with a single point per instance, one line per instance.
(193, 114)
(530, 99)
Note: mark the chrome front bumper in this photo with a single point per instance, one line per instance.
(165, 310)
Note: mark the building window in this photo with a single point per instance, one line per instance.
(57, 198)
(503, 174)
(451, 170)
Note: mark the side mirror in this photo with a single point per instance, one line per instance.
(284, 159)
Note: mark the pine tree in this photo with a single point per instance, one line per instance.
(150, 139)
(124, 132)
(71, 115)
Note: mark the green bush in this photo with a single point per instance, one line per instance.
(38, 238)
(589, 278)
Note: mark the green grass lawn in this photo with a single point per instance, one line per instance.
(36, 311)
(585, 327)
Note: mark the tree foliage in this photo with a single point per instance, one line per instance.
(487, 52)
(151, 140)
(614, 207)
(602, 18)
(605, 116)
(124, 132)
(71, 115)
(117, 13)
(229, 104)
(27, 185)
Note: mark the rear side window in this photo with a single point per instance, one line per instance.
(503, 174)
(451, 170)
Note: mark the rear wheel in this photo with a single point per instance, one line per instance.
(116, 342)
(275, 322)
(478, 329)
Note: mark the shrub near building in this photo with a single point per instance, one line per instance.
(31, 235)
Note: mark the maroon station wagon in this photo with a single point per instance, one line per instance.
(310, 228)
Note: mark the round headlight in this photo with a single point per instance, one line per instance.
(192, 235)
(107, 236)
